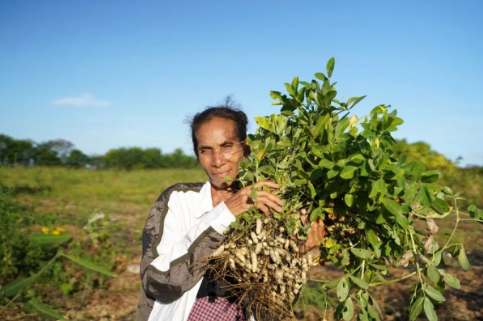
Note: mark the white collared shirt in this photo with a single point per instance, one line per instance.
(189, 215)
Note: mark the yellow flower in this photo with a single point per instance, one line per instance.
(58, 230)
(329, 243)
(45, 230)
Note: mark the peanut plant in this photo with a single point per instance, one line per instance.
(339, 168)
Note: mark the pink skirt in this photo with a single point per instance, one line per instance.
(219, 310)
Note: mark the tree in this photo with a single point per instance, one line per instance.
(421, 151)
(62, 147)
(125, 158)
(178, 159)
(16, 151)
(77, 159)
(152, 158)
(45, 156)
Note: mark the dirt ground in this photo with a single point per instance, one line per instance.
(118, 301)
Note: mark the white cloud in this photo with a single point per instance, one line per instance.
(85, 100)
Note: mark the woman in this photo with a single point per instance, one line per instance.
(187, 224)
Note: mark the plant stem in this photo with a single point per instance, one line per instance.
(394, 280)
(455, 226)
(416, 253)
(35, 276)
(318, 280)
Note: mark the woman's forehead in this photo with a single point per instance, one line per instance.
(217, 130)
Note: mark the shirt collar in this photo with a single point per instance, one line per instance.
(206, 202)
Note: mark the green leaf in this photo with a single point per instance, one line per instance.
(326, 163)
(342, 289)
(349, 199)
(452, 281)
(264, 122)
(373, 312)
(254, 194)
(448, 191)
(312, 189)
(366, 169)
(320, 76)
(440, 206)
(371, 237)
(50, 238)
(437, 258)
(392, 206)
(289, 89)
(276, 95)
(418, 170)
(424, 196)
(433, 293)
(332, 173)
(295, 83)
(17, 285)
(45, 310)
(341, 127)
(463, 260)
(316, 214)
(330, 66)
(359, 282)
(89, 265)
(429, 310)
(349, 310)
(430, 177)
(416, 308)
(354, 101)
(362, 253)
(320, 125)
(433, 274)
(376, 188)
(403, 221)
(348, 172)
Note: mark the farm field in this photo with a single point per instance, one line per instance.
(104, 212)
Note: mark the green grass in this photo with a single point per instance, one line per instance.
(68, 197)
(71, 195)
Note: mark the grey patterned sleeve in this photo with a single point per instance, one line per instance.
(185, 271)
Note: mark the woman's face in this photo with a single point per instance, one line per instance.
(219, 150)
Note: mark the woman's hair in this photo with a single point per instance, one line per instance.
(227, 110)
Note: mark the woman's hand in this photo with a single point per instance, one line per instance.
(315, 236)
(240, 202)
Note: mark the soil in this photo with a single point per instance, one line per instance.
(118, 301)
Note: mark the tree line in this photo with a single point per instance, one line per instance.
(60, 152)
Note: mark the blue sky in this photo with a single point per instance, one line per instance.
(106, 74)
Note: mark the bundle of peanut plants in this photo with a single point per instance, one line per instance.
(335, 167)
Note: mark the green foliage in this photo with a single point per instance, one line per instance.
(423, 153)
(18, 253)
(77, 159)
(31, 257)
(352, 173)
(19, 284)
(313, 294)
(45, 310)
(61, 153)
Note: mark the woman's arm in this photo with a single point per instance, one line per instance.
(171, 268)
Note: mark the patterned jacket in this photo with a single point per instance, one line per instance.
(183, 228)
